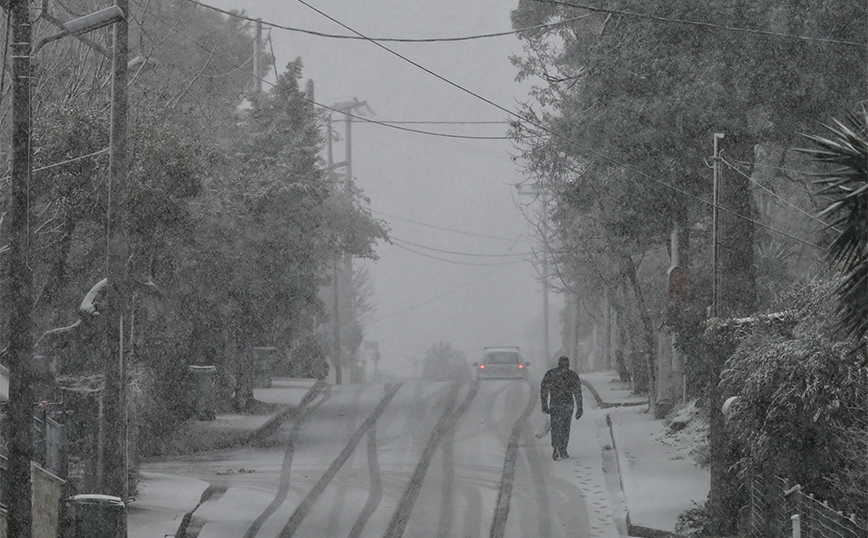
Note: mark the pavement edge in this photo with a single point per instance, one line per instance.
(632, 530)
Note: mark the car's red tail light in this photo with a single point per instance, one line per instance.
(521, 365)
(482, 367)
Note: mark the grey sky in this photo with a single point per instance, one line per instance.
(464, 185)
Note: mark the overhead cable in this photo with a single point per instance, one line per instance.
(393, 125)
(474, 254)
(440, 296)
(703, 24)
(67, 161)
(390, 124)
(456, 262)
(558, 135)
(452, 229)
(731, 166)
(390, 39)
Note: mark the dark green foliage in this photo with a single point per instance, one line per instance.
(846, 187)
(308, 359)
(442, 362)
(689, 324)
(694, 522)
(798, 395)
(228, 248)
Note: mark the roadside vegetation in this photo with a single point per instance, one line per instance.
(234, 222)
(636, 108)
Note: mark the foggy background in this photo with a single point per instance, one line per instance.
(429, 188)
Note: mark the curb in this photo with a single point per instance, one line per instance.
(272, 424)
(632, 530)
(593, 391)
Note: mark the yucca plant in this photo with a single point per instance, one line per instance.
(845, 149)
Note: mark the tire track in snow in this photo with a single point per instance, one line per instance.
(273, 424)
(447, 503)
(537, 472)
(375, 495)
(501, 509)
(302, 509)
(283, 485)
(401, 516)
(338, 504)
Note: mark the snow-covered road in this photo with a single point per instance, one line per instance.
(413, 459)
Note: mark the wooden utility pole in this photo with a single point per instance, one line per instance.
(539, 191)
(114, 464)
(336, 312)
(344, 269)
(19, 284)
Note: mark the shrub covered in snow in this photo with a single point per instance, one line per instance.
(801, 412)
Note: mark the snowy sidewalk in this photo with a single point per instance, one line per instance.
(657, 473)
(162, 500)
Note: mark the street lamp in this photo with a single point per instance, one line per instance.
(19, 291)
(114, 453)
(83, 25)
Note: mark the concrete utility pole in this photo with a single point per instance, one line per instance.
(715, 230)
(114, 464)
(720, 484)
(257, 56)
(539, 191)
(19, 294)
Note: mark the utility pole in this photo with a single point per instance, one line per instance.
(539, 191)
(19, 292)
(715, 230)
(545, 276)
(114, 461)
(343, 272)
(257, 56)
(720, 485)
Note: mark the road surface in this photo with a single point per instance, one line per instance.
(415, 459)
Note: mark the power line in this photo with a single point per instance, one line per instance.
(67, 161)
(452, 229)
(776, 195)
(703, 24)
(507, 255)
(392, 125)
(456, 262)
(513, 114)
(455, 122)
(440, 296)
(390, 39)
(555, 134)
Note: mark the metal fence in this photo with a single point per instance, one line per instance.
(781, 510)
(49, 449)
(49, 445)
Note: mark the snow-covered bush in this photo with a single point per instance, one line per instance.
(802, 400)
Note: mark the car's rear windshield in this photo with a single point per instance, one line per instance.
(501, 357)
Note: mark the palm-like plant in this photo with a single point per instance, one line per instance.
(846, 184)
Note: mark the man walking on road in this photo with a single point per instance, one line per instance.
(561, 392)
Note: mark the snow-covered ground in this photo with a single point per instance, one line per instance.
(628, 464)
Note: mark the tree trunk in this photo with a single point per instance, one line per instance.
(648, 334)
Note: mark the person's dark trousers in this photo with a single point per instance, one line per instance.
(560, 420)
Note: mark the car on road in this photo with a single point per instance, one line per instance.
(501, 363)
